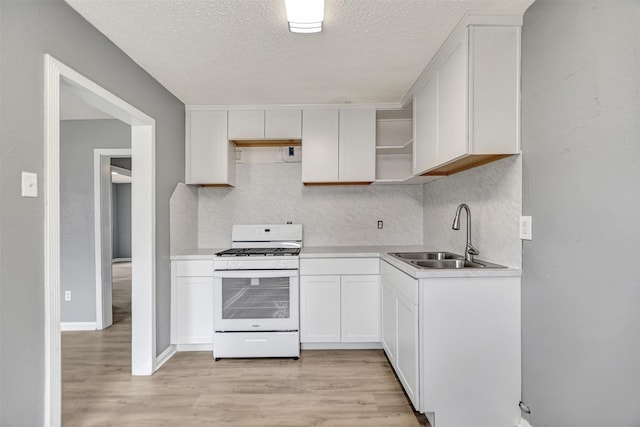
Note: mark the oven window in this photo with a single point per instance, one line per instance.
(255, 298)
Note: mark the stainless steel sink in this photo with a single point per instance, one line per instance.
(426, 255)
(440, 260)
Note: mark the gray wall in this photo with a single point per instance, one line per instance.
(121, 220)
(494, 195)
(78, 139)
(581, 175)
(28, 30)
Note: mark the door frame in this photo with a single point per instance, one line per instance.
(103, 240)
(143, 219)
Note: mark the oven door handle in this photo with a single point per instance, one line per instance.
(254, 273)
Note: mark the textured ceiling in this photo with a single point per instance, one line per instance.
(241, 52)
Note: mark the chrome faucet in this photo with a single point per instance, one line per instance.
(470, 251)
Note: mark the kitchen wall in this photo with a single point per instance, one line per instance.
(78, 139)
(494, 195)
(184, 219)
(28, 30)
(331, 215)
(581, 175)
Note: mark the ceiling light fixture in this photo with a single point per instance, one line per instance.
(305, 16)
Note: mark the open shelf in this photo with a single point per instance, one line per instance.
(394, 149)
(405, 148)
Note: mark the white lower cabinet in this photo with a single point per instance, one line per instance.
(320, 309)
(454, 343)
(407, 344)
(389, 322)
(400, 328)
(192, 304)
(339, 307)
(360, 308)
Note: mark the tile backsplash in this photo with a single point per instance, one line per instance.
(183, 219)
(494, 195)
(331, 215)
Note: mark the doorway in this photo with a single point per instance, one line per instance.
(143, 357)
(106, 240)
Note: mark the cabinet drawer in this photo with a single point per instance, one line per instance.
(339, 266)
(194, 268)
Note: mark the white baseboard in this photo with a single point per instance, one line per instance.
(165, 356)
(341, 346)
(195, 347)
(524, 423)
(78, 326)
(116, 260)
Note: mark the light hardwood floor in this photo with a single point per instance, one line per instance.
(323, 388)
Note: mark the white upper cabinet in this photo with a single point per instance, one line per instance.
(209, 156)
(283, 124)
(338, 145)
(271, 124)
(320, 145)
(357, 144)
(425, 113)
(246, 124)
(467, 102)
(452, 104)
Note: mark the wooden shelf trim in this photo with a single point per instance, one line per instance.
(465, 163)
(244, 143)
(338, 183)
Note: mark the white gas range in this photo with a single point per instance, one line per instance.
(256, 288)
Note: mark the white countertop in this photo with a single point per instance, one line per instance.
(197, 253)
(420, 273)
(355, 251)
(371, 252)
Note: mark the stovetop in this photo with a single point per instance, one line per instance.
(248, 252)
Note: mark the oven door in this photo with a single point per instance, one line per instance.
(255, 300)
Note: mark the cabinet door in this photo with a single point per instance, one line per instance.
(389, 322)
(283, 124)
(360, 306)
(357, 157)
(453, 104)
(320, 145)
(194, 310)
(246, 124)
(209, 156)
(407, 358)
(319, 309)
(425, 122)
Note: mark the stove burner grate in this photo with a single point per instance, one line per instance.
(260, 252)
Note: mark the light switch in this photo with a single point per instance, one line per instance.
(29, 184)
(525, 228)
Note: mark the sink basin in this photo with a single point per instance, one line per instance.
(455, 263)
(426, 255)
(440, 260)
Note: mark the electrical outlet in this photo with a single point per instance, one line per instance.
(525, 228)
(67, 295)
(380, 225)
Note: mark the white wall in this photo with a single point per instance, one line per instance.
(494, 195)
(331, 215)
(581, 176)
